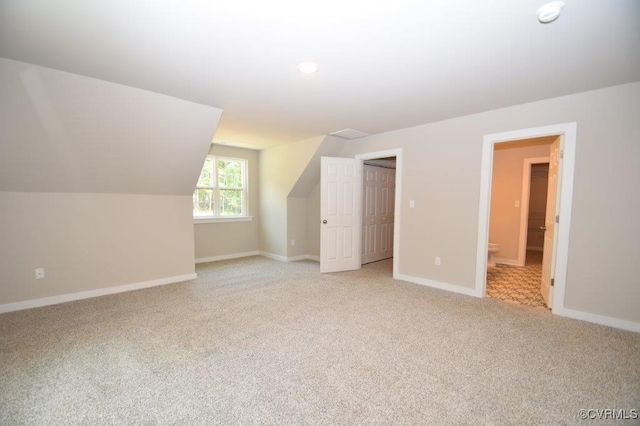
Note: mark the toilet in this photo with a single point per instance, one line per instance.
(493, 249)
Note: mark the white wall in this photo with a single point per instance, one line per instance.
(64, 132)
(280, 168)
(296, 227)
(313, 222)
(219, 240)
(441, 173)
(91, 241)
(96, 181)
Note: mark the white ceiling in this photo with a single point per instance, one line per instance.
(384, 65)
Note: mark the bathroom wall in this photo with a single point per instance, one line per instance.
(506, 193)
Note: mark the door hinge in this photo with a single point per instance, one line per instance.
(552, 281)
(557, 218)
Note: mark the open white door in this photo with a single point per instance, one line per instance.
(340, 214)
(548, 258)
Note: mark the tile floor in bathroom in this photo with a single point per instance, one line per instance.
(517, 284)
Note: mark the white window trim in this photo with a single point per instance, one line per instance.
(229, 219)
(221, 219)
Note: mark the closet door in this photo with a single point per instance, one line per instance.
(378, 200)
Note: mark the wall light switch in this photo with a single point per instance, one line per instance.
(517, 203)
(412, 204)
(438, 261)
(293, 242)
(39, 273)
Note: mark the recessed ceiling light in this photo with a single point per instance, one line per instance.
(307, 67)
(549, 12)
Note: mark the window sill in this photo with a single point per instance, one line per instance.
(201, 220)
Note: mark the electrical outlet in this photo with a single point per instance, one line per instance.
(39, 273)
(293, 242)
(438, 261)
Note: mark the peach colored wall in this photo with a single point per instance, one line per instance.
(506, 190)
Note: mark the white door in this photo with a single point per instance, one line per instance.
(340, 214)
(378, 199)
(548, 258)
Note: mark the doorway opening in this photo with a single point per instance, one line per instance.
(381, 194)
(378, 204)
(518, 203)
(557, 221)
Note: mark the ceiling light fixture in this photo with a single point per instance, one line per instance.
(307, 67)
(549, 12)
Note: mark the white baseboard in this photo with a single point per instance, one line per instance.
(437, 284)
(70, 297)
(289, 259)
(272, 256)
(599, 319)
(227, 256)
(512, 262)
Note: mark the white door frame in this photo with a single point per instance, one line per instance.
(565, 189)
(397, 152)
(524, 206)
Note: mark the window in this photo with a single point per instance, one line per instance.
(221, 191)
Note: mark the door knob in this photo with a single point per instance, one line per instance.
(544, 228)
(324, 221)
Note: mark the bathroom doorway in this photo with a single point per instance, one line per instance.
(562, 157)
(518, 202)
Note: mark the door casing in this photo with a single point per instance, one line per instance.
(396, 152)
(568, 132)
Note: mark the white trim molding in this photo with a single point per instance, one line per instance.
(226, 257)
(289, 259)
(435, 284)
(70, 297)
(273, 256)
(396, 152)
(568, 131)
(230, 219)
(599, 319)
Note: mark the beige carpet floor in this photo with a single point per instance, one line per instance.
(255, 341)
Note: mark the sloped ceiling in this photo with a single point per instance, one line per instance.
(384, 65)
(64, 132)
(310, 176)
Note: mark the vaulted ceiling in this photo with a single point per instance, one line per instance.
(383, 65)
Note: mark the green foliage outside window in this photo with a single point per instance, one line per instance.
(221, 188)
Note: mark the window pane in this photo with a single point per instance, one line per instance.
(231, 202)
(203, 204)
(206, 175)
(230, 174)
